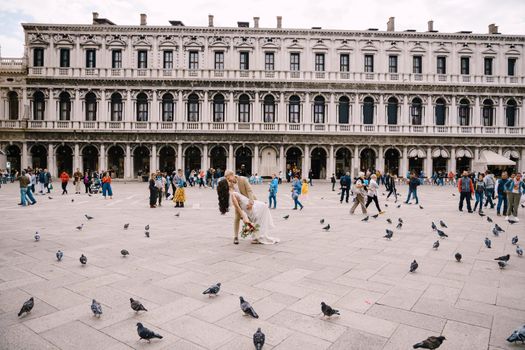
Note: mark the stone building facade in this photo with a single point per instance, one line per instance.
(132, 99)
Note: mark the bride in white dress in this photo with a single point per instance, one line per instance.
(258, 214)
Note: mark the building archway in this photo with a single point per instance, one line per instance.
(439, 164)
(343, 161)
(90, 158)
(392, 157)
(218, 158)
(116, 162)
(294, 160)
(243, 161)
(167, 159)
(318, 163)
(192, 159)
(38, 157)
(141, 165)
(463, 160)
(368, 160)
(269, 159)
(12, 153)
(416, 160)
(64, 159)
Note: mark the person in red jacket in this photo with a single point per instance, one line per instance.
(64, 177)
(466, 189)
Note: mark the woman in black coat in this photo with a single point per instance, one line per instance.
(153, 192)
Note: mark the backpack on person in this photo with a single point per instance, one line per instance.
(465, 184)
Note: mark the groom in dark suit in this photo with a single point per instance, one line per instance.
(242, 185)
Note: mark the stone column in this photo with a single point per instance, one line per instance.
(381, 112)
(380, 160)
(357, 163)
(154, 108)
(102, 157)
(102, 109)
(403, 113)
(25, 111)
(230, 108)
(231, 163)
(205, 157)
(77, 163)
(153, 160)
(500, 114)
(452, 115)
(255, 160)
(128, 108)
(205, 108)
(179, 116)
(51, 106)
(404, 162)
(476, 157)
(521, 162)
(452, 165)
(281, 111)
(50, 160)
(77, 108)
(128, 171)
(306, 162)
(332, 114)
(282, 161)
(331, 162)
(476, 116)
(307, 111)
(427, 113)
(428, 163)
(257, 109)
(179, 156)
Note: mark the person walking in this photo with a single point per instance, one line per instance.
(501, 194)
(391, 186)
(479, 191)
(106, 186)
(466, 189)
(413, 183)
(87, 181)
(359, 190)
(332, 180)
(296, 192)
(64, 178)
(180, 193)
(515, 187)
(372, 193)
(153, 191)
(77, 177)
(490, 184)
(24, 182)
(346, 183)
(272, 192)
(311, 177)
(41, 181)
(160, 183)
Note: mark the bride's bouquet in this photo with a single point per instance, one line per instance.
(248, 229)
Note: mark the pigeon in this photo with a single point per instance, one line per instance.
(37, 236)
(389, 221)
(177, 215)
(247, 308)
(327, 227)
(489, 219)
(502, 264)
(386, 205)
(421, 207)
(519, 251)
(328, 311)
(124, 252)
(442, 223)
(389, 234)
(375, 216)
(365, 219)
(430, 343)
(523, 205)
(147, 234)
(400, 220)
(517, 335)
(413, 266)
(59, 255)
(488, 242)
(72, 200)
(27, 306)
(514, 240)
(399, 225)
(83, 259)
(137, 305)
(258, 339)
(453, 195)
(88, 217)
(495, 232)
(146, 228)
(441, 234)
(286, 217)
(498, 227)
(436, 245)
(458, 257)
(512, 222)
(481, 214)
(49, 197)
(126, 226)
(434, 227)
(80, 227)
(398, 206)
(89, 194)
(145, 333)
(321, 221)
(505, 258)
(96, 308)
(213, 290)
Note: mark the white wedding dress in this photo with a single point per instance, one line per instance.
(260, 214)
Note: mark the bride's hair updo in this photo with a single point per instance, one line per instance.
(223, 192)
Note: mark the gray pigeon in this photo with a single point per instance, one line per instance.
(400, 220)
(495, 232)
(37, 236)
(328, 311)
(124, 253)
(126, 226)
(389, 221)
(502, 264)
(27, 307)
(80, 227)
(430, 343)
(436, 245)
(147, 234)
(399, 225)
(258, 339)
(481, 214)
(213, 290)
(88, 217)
(389, 234)
(489, 219)
(286, 217)
(519, 251)
(146, 228)
(365, 219)
(247, 308)
(505, 258)
(83, 259)
(421, 207)
(517, 335)
(146, 334)
(327, 227)
(413, 266)
(96, 308)
(442, 223)
(498, 227)
(59, 255)
(321, 221)
(177, 215)
(458, 257)
(512, 222)
(137, 305)
(514, 240)
(434, 227)
(441, 233)
(488, 242)
(375, 216)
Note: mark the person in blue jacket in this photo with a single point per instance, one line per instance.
(272, 192)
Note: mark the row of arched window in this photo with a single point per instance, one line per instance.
(269, 109)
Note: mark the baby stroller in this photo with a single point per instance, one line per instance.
(95, 187)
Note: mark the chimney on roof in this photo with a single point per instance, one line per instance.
(279, 21)
(95, 17)
(493, 28)
(143, 19)
(256, 22)
(431, 26)
(390, 25)
(210, 20)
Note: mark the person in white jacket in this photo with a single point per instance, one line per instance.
(372, 193)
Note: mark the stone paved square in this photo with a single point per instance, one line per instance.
(475, 304)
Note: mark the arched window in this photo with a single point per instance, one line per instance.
(368, 110)
(391, 110)
(218, 108)
(294, 109)
(193, 108)
(487, 113)
(167, 107)
(319, 109)
(416, 111)
(116, 107)
(440, 111)
(269, 109)
(244, 109)
(344, 110)
(464, 112)
(91, 107)
(510, 113)
(64, 106)
(12, 97)
(142, 107)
